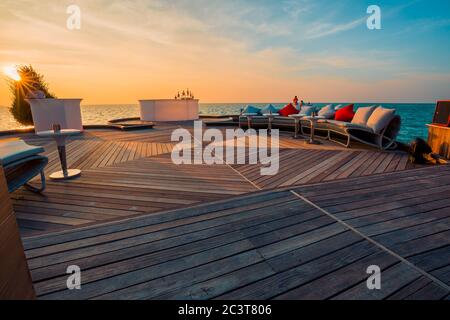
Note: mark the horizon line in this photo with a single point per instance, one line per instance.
(267, 102)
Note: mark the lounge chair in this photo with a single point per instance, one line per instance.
(21, 163)
(376, 130)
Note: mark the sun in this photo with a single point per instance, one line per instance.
(12, 73)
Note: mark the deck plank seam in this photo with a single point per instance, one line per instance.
(228, 165)
(379, 245)
(370, 254)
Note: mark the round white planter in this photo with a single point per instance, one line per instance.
(168, 110)
(47, 112)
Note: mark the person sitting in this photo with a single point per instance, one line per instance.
(295, 102)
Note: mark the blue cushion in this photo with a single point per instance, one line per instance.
(269, 109)
(252, 109)
(13, 150)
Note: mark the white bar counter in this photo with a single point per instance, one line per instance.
(168, 110)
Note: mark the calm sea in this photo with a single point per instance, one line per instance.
(414, 116)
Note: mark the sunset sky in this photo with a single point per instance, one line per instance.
(232, 51)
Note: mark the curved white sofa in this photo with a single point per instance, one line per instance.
(168, 110)
(47, 112)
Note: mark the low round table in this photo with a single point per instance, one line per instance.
(297, 118)
(270, 116)
(313, 121)
(60, 138)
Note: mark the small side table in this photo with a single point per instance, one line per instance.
(270, 117)
(313, 121)
(60, 138)
(297, 118)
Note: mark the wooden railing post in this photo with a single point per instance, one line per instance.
(15, 279)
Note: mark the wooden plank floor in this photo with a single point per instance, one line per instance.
(415, 224)
(309, 242)
(130, 173)
(301, 163)
(124, 189)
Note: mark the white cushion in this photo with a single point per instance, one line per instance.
(339, 106)
(307, 111)
(363, 114)
(380, 119)
(327, 112)
(349, 125)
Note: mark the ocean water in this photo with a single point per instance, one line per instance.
(414, 116)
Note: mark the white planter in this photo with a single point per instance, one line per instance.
(168, 110)
(47, 112)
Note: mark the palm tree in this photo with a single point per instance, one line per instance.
(30, 80)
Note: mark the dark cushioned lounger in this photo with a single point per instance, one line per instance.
(22, 163)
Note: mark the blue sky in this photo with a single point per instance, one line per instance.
(234, 50)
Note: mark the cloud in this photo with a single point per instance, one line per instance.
(297, 8)
(320, 30)
(225, 50)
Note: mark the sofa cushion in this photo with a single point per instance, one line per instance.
(288, 110)
(350, 125)
(380, 119)
(345, 114)
(251, 110)
(339, 106)
(363, 114)
(283, 120)
(327, 112)
(307, 110)
(269, 109)
(12, 150)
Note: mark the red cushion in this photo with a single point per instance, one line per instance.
(345, 114)
(288, 110)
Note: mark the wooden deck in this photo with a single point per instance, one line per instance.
(141, 227)
(309, 242)
(130, 173)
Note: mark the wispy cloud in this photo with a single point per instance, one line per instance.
(225, 50)
(320, 30)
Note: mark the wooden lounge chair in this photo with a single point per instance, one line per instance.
(21, 163)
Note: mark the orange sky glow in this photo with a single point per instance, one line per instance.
(126, 51)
